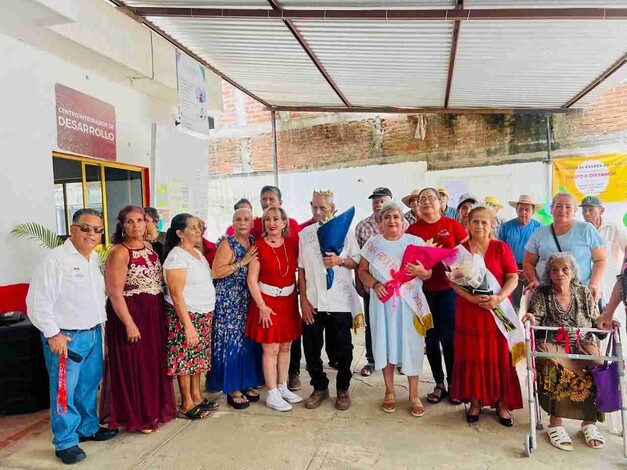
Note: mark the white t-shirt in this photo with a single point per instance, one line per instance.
(342, 296)
(199, 293)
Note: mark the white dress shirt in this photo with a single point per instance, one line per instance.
(342, 296)
(199, 293)
(67, 292)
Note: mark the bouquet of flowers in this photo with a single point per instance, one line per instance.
(468, 271)
(428, 255)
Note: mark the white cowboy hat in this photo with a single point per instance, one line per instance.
(526, 199)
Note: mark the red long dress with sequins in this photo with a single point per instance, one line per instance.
(137, 393)
(277, 267)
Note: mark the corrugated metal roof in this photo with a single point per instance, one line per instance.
(544, 4)
(400, 63)
(263, 4)
(260, 55)
(371, 4)
(532, 63)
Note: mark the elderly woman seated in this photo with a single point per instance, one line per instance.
(565, 386)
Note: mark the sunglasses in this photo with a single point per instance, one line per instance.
(88, 228)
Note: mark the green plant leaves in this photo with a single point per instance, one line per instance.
(34, 231)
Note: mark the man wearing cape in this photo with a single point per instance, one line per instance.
(328, 252)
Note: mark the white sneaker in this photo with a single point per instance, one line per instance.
(276, 402)
(288, 396)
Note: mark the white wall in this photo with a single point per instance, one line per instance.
(28, 137)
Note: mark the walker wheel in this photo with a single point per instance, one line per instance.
(528, 447)
(539, 426)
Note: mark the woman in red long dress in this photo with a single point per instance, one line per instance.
(137, 393)
(483, 373)
(273, 318)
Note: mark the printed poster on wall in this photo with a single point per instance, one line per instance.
(85, 125)
(192, 94)
(604, 176)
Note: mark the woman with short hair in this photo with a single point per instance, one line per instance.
(234, 369)
(565, 386)
(190, 301)
(483, 371)
(136, 391)
(395, 340)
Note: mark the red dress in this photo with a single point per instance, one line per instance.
(136, 390)
(273, 263)
(483, 363)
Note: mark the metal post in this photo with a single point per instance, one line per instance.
(275, 157)
(549, 159)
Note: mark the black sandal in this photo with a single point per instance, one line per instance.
(194, 414)
(435, 399)
(251, 397)
(238, 406)
(208, 405)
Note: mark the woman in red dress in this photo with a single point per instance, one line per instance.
(137, 393)
(483, 372)
(273, 318)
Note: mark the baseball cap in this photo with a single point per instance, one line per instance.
(380, 192)
(465, 198)
(591, 201)
(443, 191)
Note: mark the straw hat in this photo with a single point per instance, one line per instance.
(413, 195)
(493, 201)
(526, 199)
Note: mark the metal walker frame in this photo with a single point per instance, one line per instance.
(535, 412)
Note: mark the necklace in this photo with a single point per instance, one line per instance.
(271, 241)
(287, 269)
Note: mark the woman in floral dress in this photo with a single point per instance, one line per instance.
(234, 369)
(565, 386)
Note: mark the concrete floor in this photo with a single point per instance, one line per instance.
(362, 437)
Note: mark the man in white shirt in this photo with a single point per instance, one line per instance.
(324, 308)
(614, 238)
(66, 302)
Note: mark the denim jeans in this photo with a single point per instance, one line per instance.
(82, 379)
(442, 306)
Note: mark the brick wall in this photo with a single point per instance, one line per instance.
(309, 141)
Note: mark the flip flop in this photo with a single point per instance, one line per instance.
(208, 405)
(194, 414)
(235, 404)
(252, 395)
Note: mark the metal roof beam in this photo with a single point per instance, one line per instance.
(451, 60)
(311, 55)
(597, 81)
(462, 14)
(393, 110)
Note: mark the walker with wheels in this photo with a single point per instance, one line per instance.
(535, 411)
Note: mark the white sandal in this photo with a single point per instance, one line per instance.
(591, 433)
(560, 438)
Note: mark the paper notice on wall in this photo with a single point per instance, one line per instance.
(192, 94)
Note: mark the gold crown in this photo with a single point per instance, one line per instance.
(323, 192)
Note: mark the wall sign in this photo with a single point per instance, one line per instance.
(85, 125)
(192, 94)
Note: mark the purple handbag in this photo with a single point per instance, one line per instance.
(606, 380)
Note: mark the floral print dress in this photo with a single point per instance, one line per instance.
(565, 386)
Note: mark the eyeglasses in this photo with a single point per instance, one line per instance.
(88, 228)
(424, 200)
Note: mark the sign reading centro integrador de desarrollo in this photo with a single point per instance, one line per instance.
(85, 125)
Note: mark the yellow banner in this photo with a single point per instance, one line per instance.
(604, 176)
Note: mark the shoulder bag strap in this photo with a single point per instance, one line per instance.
(559, 248)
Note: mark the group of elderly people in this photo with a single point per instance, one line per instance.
(180, 306)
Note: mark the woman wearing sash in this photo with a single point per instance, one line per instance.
(395, 339)
(483, 371)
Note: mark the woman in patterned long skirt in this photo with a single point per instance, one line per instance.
(234, 368)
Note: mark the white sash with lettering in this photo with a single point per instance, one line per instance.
(516, 337)
(410, 292)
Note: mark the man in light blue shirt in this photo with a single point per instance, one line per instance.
(581, 239)
(447, 210)
(516, 233)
